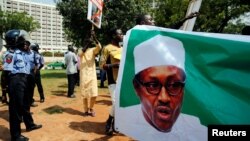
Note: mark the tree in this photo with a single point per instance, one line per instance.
(116, 13)
(75, 23)
(170, 11)
(234, 28)
(16, 20)
(215, 15)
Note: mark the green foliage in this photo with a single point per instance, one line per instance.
(57, 75)
(16, 20)
(234, 28)
(50, 54)
(215, 15)
(123, 13)
(75, 23)
(58, 54)
(116, 13)
(47, 54)
(170, 12)
(54, 110)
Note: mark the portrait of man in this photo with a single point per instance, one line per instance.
(159, 81)
(95, 12)
(153, 90)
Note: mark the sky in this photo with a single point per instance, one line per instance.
(45, 1)
(246, 18)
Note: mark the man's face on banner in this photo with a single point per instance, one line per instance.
(160, 90)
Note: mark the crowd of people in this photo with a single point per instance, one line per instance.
(22, 62)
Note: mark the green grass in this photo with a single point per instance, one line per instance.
(55, 84)
(54, 110)
(53, 74)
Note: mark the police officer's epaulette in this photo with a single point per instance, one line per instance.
(18, 51)
(11, 51)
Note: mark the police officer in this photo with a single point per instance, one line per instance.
(40, 60)
(7, 65)
(19, 103)
(31, 58)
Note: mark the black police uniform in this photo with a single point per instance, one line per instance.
(40, 61)
(31, 59)
(19, 103)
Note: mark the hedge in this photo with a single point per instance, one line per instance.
(50, 54)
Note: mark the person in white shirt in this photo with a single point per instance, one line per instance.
(71, 70)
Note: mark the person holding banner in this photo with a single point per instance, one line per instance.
(88, 79)
(109, 61)
(146, 19)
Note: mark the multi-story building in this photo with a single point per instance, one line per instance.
(50, 36)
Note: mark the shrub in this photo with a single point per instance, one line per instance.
(47, 54)
(50, 54)
(58, 54)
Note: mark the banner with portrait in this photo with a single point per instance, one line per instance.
(172, 84)
(95, 8)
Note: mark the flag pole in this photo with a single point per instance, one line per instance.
(193, 6)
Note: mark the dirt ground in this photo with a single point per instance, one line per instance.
(62, 119)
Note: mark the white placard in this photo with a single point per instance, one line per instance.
(95, 12)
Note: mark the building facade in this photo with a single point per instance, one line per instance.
(50, 36)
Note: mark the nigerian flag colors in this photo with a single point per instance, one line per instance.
(217, 86)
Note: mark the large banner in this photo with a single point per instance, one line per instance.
(95, 12)
(172, 84)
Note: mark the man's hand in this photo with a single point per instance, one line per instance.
(93, 35)
(35, 70)
(110, 66)
(116, 65)
(192, 15)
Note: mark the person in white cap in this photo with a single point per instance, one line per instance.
(159, 83)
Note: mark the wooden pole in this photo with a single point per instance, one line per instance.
(194, 6)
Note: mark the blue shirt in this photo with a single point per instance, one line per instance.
(31, 58)
(20, 62)
(39, 59)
